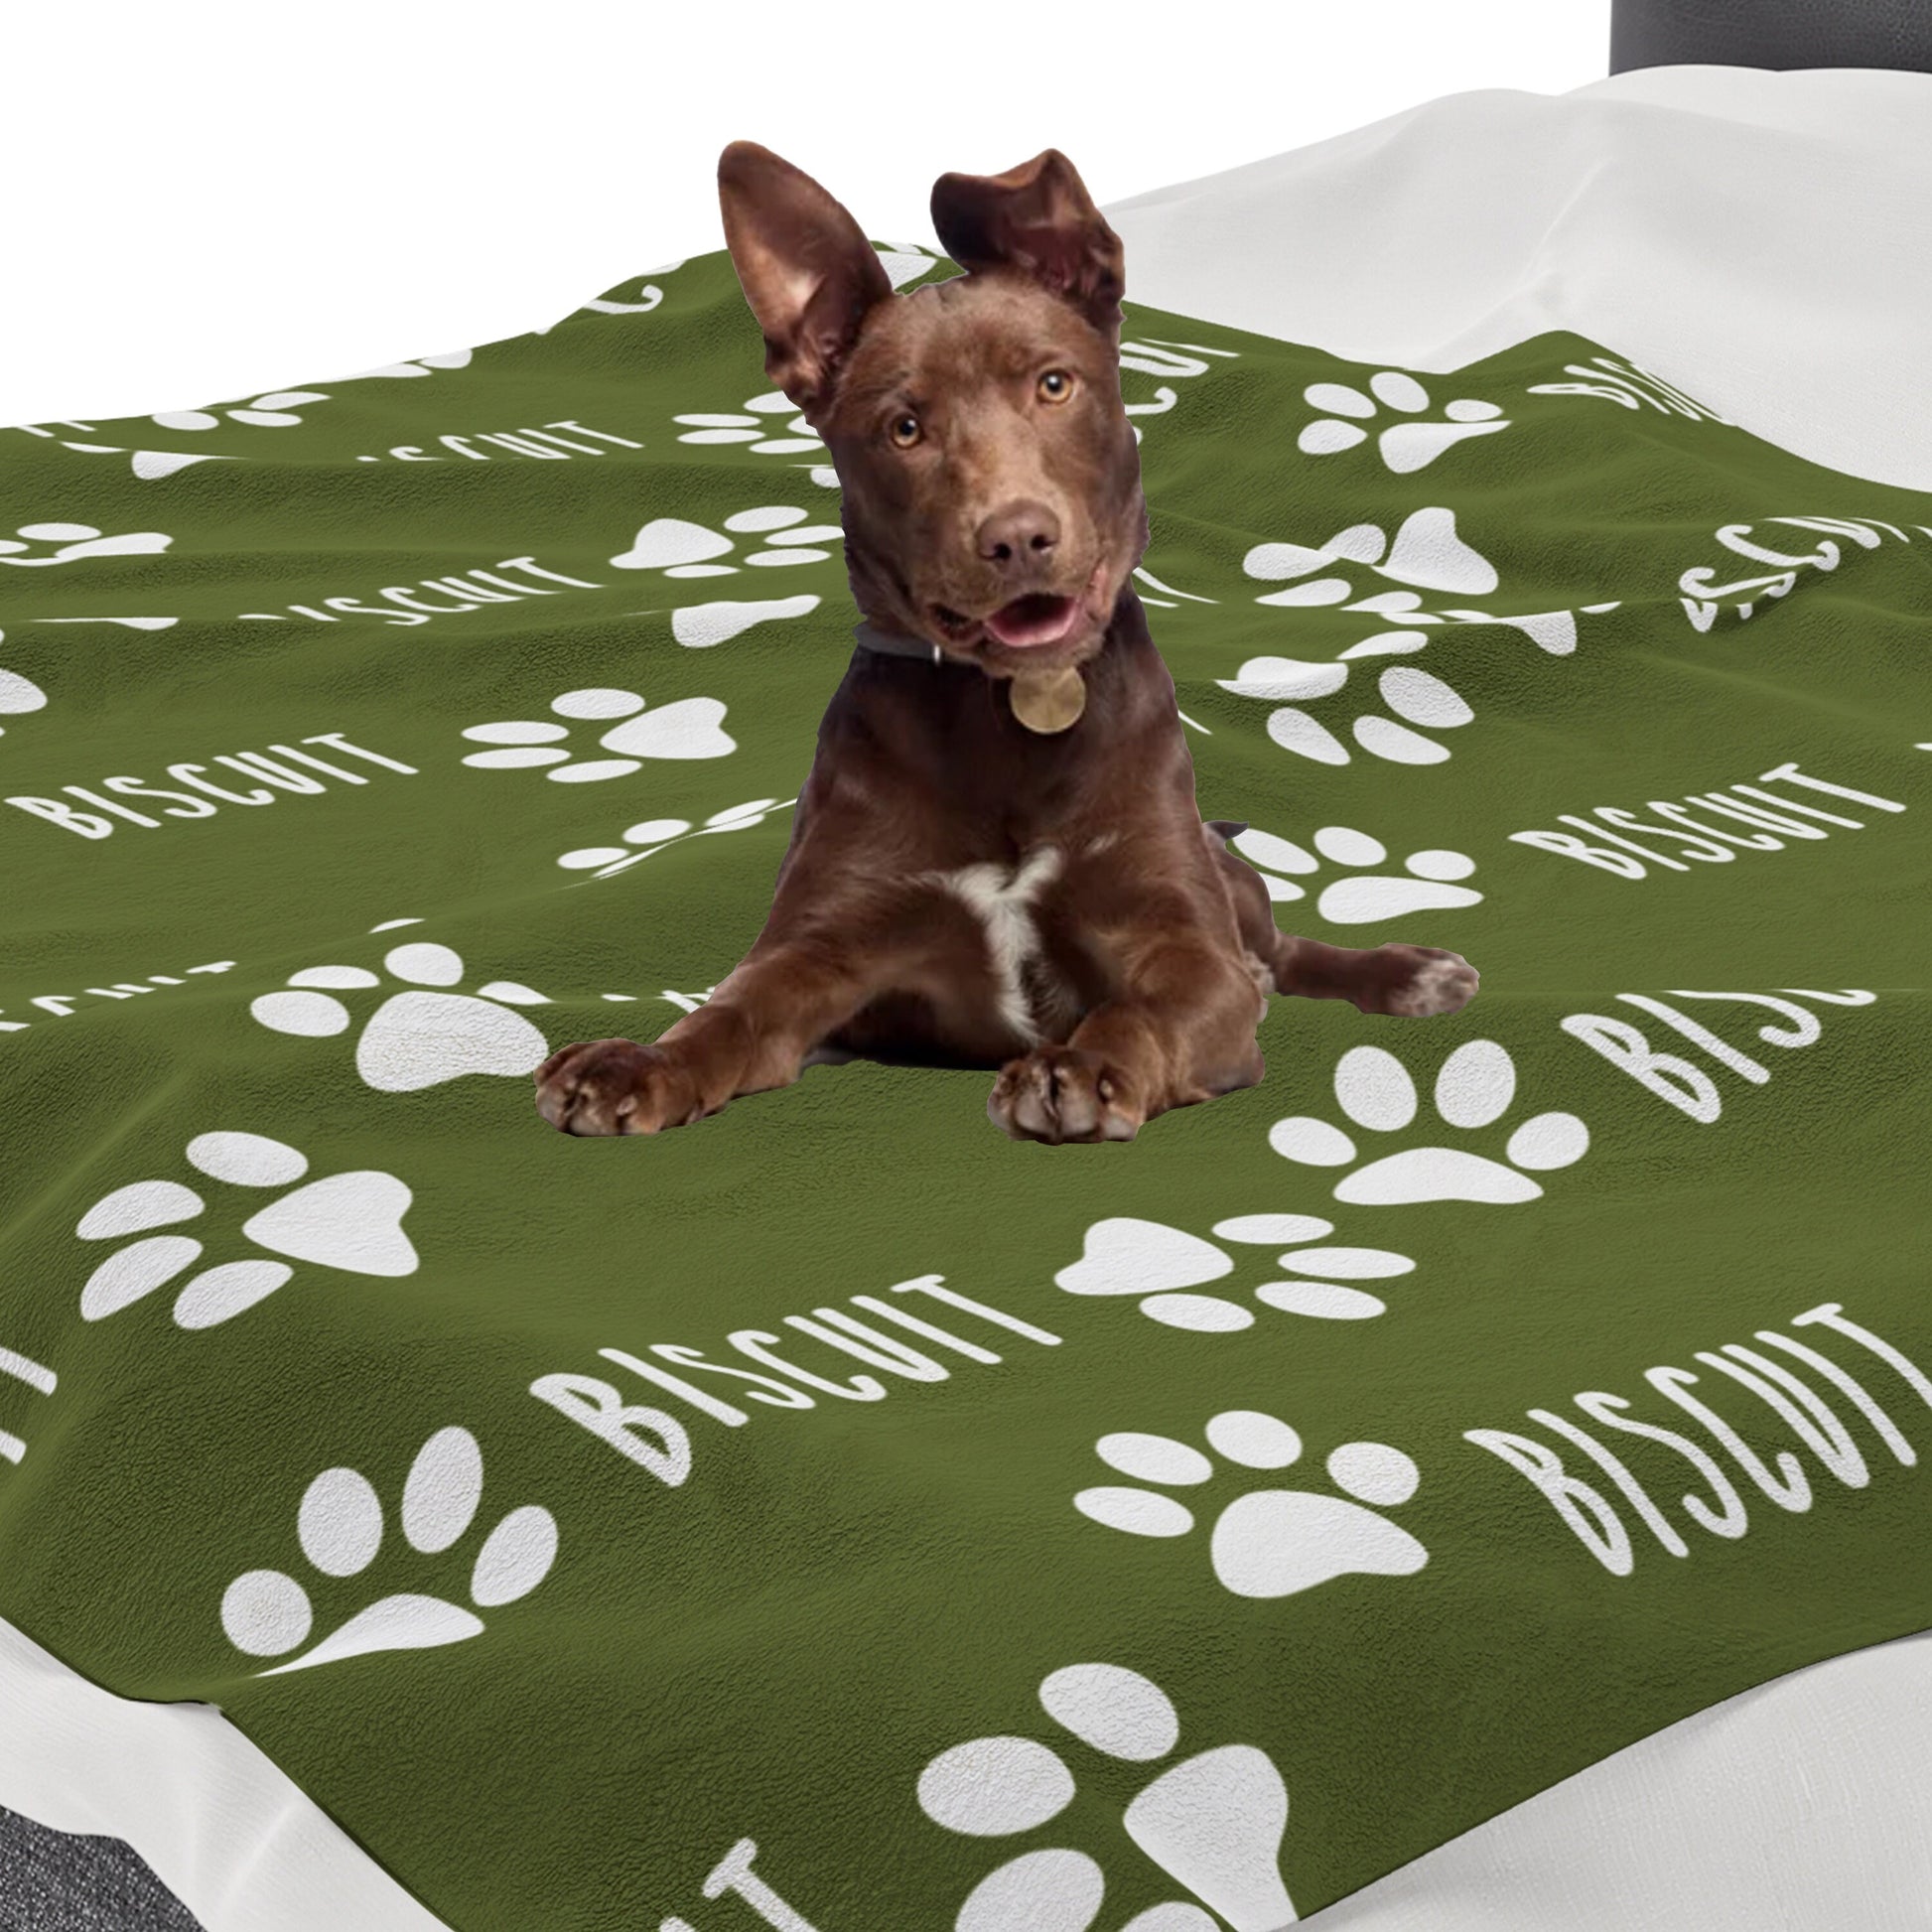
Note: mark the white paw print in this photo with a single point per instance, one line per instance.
(267, 1613)
(754, 425)
(1416, 695)
(71, 542)
(415, 1039)
(1148, 1259)
(1412, 694)
(1426, 551)
(688, 728)
(680, 549)
(1474, 1089)
(272, 411)
(1404, 446)
(1266, 1543)
(653, 835)
(698, 626)
(352, 1221)
(1212, 1822)
(454, 358)
(149, 466)
(19, 694)
(906, 261)
(1367, 896)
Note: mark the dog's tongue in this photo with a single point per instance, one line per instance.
(1033, 620)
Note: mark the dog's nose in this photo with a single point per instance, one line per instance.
(1020, 531)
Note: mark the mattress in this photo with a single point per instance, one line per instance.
(1628, 213)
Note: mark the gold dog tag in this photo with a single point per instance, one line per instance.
(1048, 702)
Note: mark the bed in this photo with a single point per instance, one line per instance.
(1687, 281)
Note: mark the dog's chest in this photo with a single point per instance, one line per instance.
(1030, 993)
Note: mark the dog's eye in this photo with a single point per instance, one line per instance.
(904, 431)
(1055, 386)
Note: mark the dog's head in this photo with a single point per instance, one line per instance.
(991, 481)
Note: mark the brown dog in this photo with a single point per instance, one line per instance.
(997, 860)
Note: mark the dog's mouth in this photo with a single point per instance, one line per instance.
(1030, 623)
(1039, 621)
(1033, 620)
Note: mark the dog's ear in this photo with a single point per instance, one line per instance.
(806, 269)
(1037, 218)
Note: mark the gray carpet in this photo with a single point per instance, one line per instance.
(51, 1882)
(1771, 33)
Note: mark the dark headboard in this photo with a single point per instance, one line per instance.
(1771, 33)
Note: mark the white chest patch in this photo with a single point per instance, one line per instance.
(1002, 899)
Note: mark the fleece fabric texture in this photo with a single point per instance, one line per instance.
(835, 1515)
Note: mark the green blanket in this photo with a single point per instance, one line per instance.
(836, 1515)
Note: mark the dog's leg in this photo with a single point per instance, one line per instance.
(1181, 1030)
(1411, 981)
(754, 1032)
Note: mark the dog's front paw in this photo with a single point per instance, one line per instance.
(614, 1086)
(1421, 981)
(1064, 1093)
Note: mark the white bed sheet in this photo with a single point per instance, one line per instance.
(223, 1827)
(1761, 240)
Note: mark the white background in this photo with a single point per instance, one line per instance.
(205, 200)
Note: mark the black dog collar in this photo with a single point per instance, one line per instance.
(1045, 703)
(888, 645)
